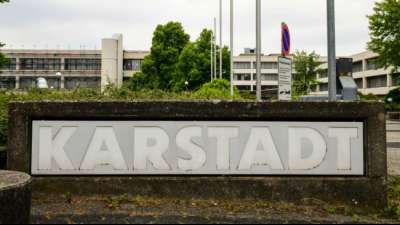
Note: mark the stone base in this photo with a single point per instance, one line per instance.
(15, 198)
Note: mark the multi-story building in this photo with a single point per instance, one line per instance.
(370, 79)
(68, 69)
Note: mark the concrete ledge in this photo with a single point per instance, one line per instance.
(15, 197)
(369, 189)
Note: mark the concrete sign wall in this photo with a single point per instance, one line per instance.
(273, 151)
(170, 147)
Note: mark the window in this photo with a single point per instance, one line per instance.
(133, 64)
(7, 83)
(359, 83)
(269, 77)
(242, 65)
(396, 79)
(323, 87)
(40, 64)
(371, 64)
(239, 77)
(82, 82)
(12, 65)
(323, 74)
(377, 82)
(83, 64)
(357, 67)
(269, 65)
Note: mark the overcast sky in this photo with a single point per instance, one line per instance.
(69, 24)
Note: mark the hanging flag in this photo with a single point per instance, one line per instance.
(285, 40)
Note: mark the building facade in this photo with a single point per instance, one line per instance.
(370, 79)
(69, 69)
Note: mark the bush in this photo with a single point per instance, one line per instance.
(217, 89)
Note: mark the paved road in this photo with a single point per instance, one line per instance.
(393, 144)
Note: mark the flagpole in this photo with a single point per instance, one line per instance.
(258, 49)
(212, 55)
(220, 39)
(232, 43)
(331, 51)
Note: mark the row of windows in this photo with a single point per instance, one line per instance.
(82, 64)
(264, 77)
(54, 64)
(133, 64)
(70, 64)
(247, 65)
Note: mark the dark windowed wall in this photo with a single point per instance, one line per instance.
(53, 82)
(27, 83)
(7, 83)
(242, 65)
(12, 65)
(357, 67)
(246, 77)
(82, 82)
(396, 79)
(323, 74)
(83, 64)
(359, 83)
(371, 64)
(40, 64)
(323, 87)
(269, 77)
(377, 82)
(267, 65)
(133, 64)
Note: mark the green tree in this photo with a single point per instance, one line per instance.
(3, 60)
(168, 42)
(305, 78)
(194, 65)
(385, 33)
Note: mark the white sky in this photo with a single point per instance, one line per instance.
(69, 24)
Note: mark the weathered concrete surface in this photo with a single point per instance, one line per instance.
(369, 190)
(138, 210)
(15, 197)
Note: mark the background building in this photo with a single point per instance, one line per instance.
(68, 69)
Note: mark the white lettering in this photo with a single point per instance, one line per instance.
(111, 156)
(344, 136)
(223, 136)
(150, 145)
(184, 141)
(53, 148)
(296, 160)
(267, 156)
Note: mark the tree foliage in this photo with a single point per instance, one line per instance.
(3, 60)
(177, 64)
(194, 66)
(168, 42)
(307, 68)
(385, 33)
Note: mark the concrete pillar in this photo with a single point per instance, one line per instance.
(17, 82)
(18, 64)
(365, 83)
(62, 82)
(112, 62)
(62, 64)
(389, 80)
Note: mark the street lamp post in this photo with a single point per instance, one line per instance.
(331, 50)
(258, 48)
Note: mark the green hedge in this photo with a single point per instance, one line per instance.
(218, 89)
